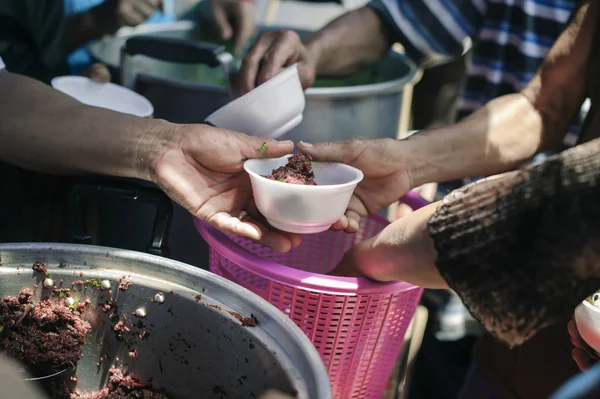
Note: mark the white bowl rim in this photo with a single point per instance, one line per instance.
(149, 108)
(590, 306)
(354, 182)
(273, 82)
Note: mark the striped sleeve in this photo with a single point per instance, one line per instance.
(431, 29)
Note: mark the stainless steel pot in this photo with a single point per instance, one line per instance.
(194, 348)
(169, 62)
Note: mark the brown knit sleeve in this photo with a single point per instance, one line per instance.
(522, 249)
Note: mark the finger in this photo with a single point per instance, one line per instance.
(251, 62)
(355, 212)
(132, 17)
(245, 25)
(284, 51)
(576, 339)
(341, 224)
(339, 151)
(232, 225)
(220, 18)
(256, 147)
(145, 9)
(582, 359)
(98, 73)
(353, 221)
(274, 239)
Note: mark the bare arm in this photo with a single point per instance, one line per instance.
(198, 166)
(521, 249)
(511, 129)
(353, 40)
(60, 135)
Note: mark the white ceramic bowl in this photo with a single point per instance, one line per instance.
(270, 110)
(302, 209)
(587, 319)
(104, 95)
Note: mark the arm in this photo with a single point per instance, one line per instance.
(500, 136)
(359, 38)
(511, 129)
(198, 166)
(353, 40)
(521, 249)
(63, 136)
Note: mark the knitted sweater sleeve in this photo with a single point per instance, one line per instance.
(522, 249)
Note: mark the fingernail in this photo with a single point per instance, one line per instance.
(305, 144)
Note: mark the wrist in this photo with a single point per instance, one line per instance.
(421, 155)
(152, 144)
(314, 49)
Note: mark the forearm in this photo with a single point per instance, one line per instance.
(521, 249)
(511, 129)
(47, 131)
(498, 137)
(349, 42)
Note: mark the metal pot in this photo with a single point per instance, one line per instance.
(169, 60)
(194, 348)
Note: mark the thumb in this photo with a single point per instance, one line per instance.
(220, 17)
(341, 151)
(260, 147)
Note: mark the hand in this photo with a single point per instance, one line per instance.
(97, 72)
(583, 354)
(273, 52)
(385, 168)
(402, 251)
(234, 18)
(201, 167)
(114, 14)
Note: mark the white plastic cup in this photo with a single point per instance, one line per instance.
(303, 209)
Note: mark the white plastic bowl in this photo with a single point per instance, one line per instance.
(302, 209)
(270, 110)
(104, 95)
(587, 319)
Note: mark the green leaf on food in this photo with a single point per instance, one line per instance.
(263, 147)
(97, 282)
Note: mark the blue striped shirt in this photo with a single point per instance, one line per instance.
(510, 39)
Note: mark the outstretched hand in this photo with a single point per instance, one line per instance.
(201, 167)
(384, 163)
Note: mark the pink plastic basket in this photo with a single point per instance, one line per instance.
(357, 325)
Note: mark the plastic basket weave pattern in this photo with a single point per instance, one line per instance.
(357, 326)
